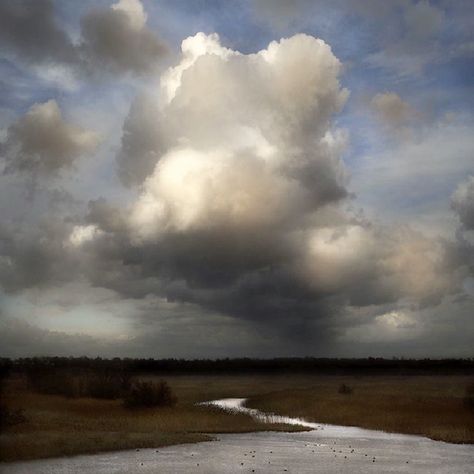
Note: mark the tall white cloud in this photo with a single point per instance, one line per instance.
(242, 203)
(248, 137)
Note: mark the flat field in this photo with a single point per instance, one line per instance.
(433, 406)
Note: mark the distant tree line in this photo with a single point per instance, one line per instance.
(370, 365)
(92, 378)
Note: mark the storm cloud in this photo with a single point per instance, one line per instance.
(247, 197)
(251, 221)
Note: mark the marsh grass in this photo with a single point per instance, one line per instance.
(435, 407)
(62, 426)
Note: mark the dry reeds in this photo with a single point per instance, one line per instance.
(418, 405)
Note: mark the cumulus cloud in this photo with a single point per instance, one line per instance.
(281, 99)
(394, 113)
(113, 40)
(42, 142)
(29, 29)
(249, 221)
(119, 40)
(221, 215)
(239, 217)
(231, 198)
(462, 201)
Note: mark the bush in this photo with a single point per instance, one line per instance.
(149, 394)
(344, 389)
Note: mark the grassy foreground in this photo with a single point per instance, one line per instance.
(57, 426)
(60, 426)
(431, 406)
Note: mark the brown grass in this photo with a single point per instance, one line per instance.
(430, 406)
(60, 426)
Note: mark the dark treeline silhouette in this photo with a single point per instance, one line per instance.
(375, 366)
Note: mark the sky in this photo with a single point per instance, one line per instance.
(237, 178)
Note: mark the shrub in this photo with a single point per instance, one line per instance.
(149, 394)
(344, 389)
